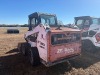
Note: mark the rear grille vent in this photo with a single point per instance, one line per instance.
(64, 38)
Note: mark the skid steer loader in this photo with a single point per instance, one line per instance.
(90, 27)
(49, 43)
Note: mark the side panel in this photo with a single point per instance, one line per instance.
(94, 29)
(42, 44)
(41, 41)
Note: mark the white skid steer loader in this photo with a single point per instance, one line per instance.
(90, 28)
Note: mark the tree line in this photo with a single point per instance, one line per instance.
(14, 25)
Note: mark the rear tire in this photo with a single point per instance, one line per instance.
(87, 45)
(34, 56)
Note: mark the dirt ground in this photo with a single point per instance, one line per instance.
(13, 63)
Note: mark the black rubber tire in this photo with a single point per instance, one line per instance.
(34, 56)
(87, 45)
(19, 47)
(12, 31)
(24, 48)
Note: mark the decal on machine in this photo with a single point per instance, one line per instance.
(65, 50)
(42, 45)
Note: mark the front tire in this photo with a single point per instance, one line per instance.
(87, 45)
(34, 56)
(23, 48)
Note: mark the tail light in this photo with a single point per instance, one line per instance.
(97, 37)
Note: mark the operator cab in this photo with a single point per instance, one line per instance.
(42, 18)
(84, 22)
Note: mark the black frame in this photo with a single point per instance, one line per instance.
(37, 16)
(83, 18)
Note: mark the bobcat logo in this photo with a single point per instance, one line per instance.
(65, 50)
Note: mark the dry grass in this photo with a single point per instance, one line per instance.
(10, 41)
(13, 63)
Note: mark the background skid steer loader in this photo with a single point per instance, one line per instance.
(90, 28)
(47, 42)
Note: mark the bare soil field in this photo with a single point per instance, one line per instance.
(13, 63)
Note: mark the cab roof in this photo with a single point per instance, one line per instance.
(39, 13)
(84, 17)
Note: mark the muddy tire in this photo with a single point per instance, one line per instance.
(34, 56)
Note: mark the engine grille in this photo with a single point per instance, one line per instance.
(65, 38)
